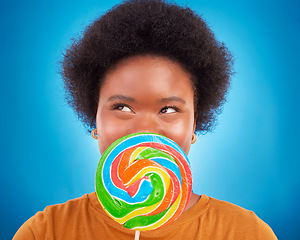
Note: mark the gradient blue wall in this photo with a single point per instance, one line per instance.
(251, 159)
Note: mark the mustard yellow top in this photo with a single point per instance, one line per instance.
(83, 218)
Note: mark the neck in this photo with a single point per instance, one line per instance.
(192, 201)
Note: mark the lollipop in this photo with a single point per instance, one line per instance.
(143, 181)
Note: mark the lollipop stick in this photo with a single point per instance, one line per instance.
(137, 235)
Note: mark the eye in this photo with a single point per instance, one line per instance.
(122, 107)
(169, 109)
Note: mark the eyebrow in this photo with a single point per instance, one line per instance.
(121, 97)
(131, 99)
(171, 99)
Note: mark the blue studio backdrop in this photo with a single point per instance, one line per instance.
(251, 159)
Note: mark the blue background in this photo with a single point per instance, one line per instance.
(251, 159)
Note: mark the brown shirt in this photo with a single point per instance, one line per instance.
(83, 218)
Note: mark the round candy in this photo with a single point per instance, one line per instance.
(143, 181)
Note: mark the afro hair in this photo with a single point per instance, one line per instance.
(141, 27)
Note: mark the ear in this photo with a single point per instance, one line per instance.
(195, 121)
(97, 117)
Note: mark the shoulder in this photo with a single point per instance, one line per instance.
(68, 207)
(36, 226)
(233, 217)
(225, 209)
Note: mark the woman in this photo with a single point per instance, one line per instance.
(147, 66)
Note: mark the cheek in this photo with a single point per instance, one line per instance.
(183, 139)
(109, 130)
(181, 133)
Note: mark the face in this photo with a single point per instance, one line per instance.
(146, 94)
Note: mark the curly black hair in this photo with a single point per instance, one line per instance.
(141, 27)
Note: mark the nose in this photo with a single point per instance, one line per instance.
(145, 123)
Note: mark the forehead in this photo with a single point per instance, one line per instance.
(149, 72)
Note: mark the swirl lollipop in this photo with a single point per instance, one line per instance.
(143, 181)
